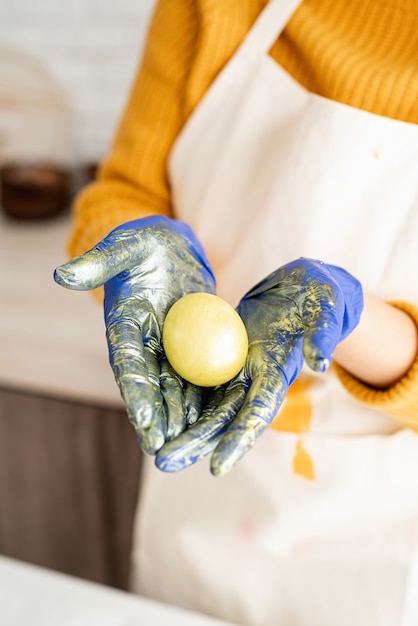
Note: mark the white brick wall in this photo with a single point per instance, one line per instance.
(92, 47)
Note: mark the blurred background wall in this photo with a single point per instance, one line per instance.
(69, 460)
(91, 47)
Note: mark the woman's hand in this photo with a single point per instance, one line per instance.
(145, 266)
(298, 313)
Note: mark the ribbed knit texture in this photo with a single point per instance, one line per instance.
(401, 400)
(364, 54)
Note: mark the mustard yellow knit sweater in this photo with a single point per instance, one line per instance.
(362, 53)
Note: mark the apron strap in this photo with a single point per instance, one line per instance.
(268, 26)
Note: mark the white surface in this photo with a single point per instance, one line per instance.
(35, 596)
(52, 340)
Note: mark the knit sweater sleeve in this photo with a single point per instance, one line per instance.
(183, 53)
(132, 181)
(400, 401)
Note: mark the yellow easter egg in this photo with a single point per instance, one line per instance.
(205, 339)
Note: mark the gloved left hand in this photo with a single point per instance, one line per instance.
(298, 313)
(145, 266)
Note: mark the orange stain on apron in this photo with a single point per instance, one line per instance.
(295, 417)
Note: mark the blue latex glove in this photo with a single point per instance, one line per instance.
(298, 313)
(145, 266)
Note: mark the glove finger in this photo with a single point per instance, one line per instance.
(177, 455)
(354, 300)
(193, 400)
(119, 251)
(171, 386)
(136, 371)
(260, 407)
(201, 438)
(322, 333)
(190, 446)
(150, 439)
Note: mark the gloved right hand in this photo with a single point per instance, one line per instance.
(145, 266)
(297, 314)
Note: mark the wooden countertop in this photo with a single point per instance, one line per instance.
(52, 340)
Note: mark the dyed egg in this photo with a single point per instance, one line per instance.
(205, 339)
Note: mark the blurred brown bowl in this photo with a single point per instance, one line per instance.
(34, 191)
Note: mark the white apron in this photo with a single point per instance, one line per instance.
(266, 172)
